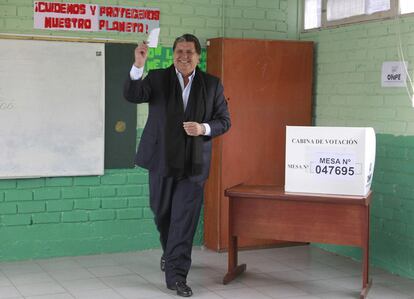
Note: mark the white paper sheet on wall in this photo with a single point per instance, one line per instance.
(394, 74)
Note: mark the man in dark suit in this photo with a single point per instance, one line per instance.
(186, 109)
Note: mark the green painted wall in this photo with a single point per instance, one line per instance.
(348, 92)
(87, 215)
(75, 215)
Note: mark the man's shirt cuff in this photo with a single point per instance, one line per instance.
(136, 72)
(208, 129)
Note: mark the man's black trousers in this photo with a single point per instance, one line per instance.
(176, 204)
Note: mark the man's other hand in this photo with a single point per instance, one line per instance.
(194, 128)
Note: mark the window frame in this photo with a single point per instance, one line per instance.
(382, 15)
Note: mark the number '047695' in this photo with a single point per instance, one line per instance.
(335, 170)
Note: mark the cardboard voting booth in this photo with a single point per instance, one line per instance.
(329, 160)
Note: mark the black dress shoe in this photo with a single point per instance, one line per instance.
(182, 289)
(162, 264)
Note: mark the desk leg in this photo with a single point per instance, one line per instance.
(366, 281)
(233, 269)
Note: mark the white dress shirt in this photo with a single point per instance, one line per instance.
(136, 74)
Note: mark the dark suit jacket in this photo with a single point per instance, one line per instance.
(154, 89)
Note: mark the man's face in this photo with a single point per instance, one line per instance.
(185, 58)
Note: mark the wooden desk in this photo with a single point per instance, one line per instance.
(270, 213)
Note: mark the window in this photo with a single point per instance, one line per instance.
(339, 9)
(328, 13)
(313, 12)
(406, 6)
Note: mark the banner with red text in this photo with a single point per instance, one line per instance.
(92, 17)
